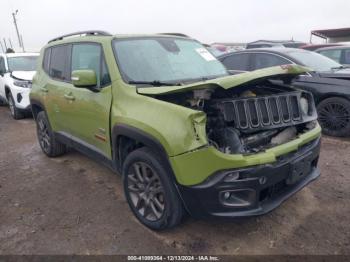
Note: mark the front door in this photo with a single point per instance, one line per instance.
(87, 112)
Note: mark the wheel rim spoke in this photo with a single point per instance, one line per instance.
(146, 191)
(334, 116)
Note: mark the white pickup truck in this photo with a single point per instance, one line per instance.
(16, 74)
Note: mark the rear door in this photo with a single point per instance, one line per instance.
(57, 66)
(87, 112)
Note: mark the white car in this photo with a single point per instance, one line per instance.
(16, 74)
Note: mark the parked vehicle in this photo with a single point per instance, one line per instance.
(16, 73)
(313, 47)
(329, 82)
(272, 43)
(161, 110)
(340, 54)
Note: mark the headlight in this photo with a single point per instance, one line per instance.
(304, 104)
(24, 84)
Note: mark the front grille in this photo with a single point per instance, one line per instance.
(255, 113)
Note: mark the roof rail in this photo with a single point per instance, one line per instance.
(175, 34)
(89, 32)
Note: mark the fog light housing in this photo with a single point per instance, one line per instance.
(19, 97)
(238, 197)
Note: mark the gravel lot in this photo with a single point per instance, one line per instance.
(73, 204)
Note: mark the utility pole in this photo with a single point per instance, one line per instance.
(17, 31)
(5, 44)
(2, 48)
(11, 43)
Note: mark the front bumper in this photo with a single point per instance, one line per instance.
(21, 97)
(266, 185)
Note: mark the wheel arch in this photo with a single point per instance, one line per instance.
(127, 138)
(330, 95)
(7, 91)
(37, 107)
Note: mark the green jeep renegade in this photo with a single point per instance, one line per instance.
(186, 136)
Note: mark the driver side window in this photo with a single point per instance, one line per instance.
(90, 56)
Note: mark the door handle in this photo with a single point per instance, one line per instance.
(69, 97)
(44, 89)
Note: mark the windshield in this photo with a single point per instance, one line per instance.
(22, 63)
(315, 61)
(166, 60)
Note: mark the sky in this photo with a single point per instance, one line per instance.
(207, 21)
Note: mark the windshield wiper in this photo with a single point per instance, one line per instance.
(154, 83)
(338, 67)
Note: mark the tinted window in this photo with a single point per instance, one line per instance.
(237, 62)
(46, 61)
(332, 54)
(89, 56)
(267, 60)
(59, 62)
(346, 56)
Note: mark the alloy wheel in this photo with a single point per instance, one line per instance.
(334, 116)
(44, 135)
(146, 191)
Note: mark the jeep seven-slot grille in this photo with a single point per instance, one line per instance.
(263, 112)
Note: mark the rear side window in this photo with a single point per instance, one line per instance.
(60, 62)
(268, 60)
(46, 60)
(90, 56)
(332, 54)
(237, 62)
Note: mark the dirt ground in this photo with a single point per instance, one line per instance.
(73, 205)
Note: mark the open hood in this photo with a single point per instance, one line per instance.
(285, 73)
(23, 75)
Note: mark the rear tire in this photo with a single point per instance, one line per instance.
(334, 116)
(15, 112)
(48, 143)
(150, 191)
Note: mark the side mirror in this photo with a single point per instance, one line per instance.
(84, 78)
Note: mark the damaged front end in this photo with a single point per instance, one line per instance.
(248, 117)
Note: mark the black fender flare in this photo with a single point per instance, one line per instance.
(35, 102)
(137, 135)
(149, 141)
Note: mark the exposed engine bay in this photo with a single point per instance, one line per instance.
(251, 118)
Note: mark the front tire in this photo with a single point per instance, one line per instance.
(150, 191)
(15, 112)
(48, 143)
(334, 116)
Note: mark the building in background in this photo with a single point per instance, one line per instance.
(332, 35)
